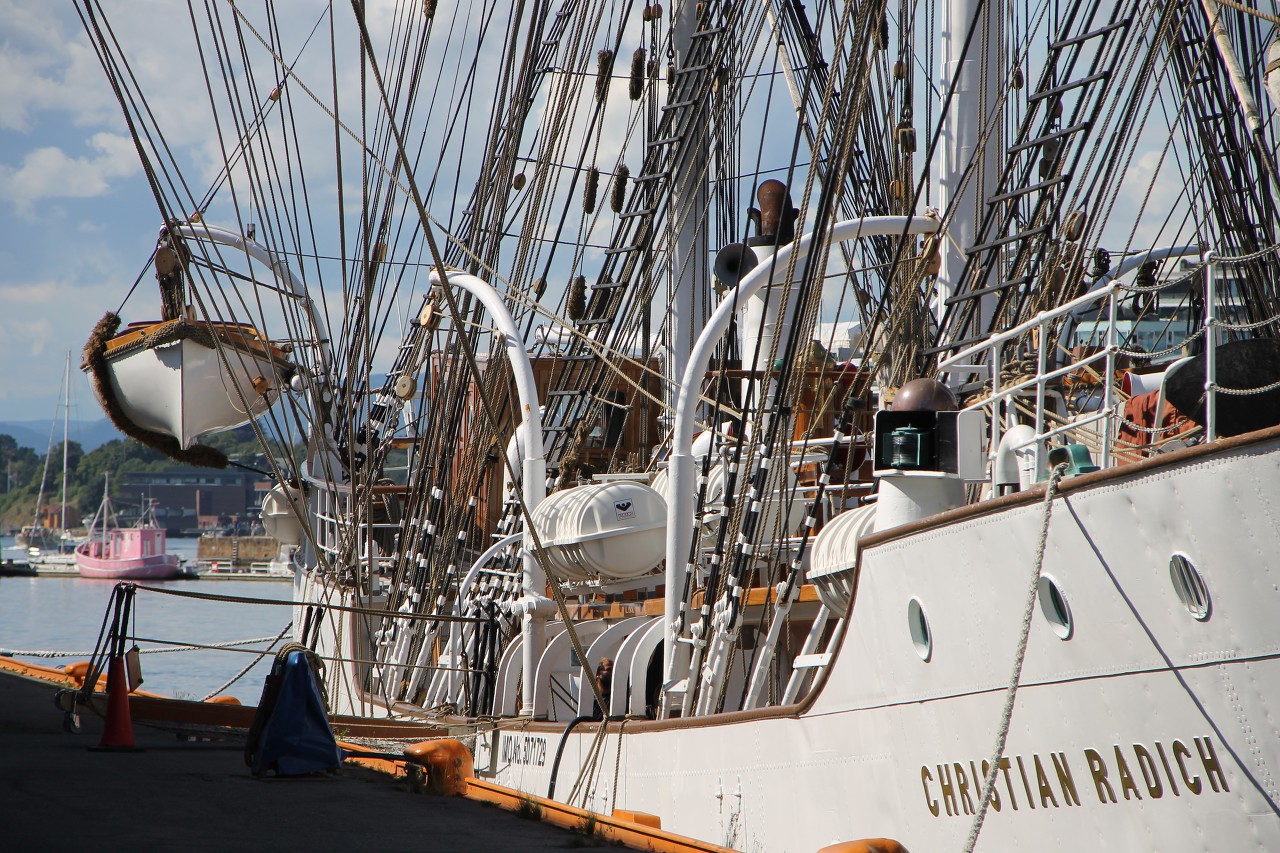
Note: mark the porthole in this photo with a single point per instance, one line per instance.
(1053, 604)
(918, 625)
(1189, 586)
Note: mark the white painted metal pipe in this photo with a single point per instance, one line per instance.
(234, 240)
(682, 469)
(1210, 353)
(1132, 262)
(533, 469)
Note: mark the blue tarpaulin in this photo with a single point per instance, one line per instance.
(295, 738)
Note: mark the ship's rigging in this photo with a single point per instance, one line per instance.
(570, 134)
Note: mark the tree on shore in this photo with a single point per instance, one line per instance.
(21, 469)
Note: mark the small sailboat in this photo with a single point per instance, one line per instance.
(44, 541)
(125, 553)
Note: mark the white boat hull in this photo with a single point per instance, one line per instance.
(183, 389)
(1147, 729)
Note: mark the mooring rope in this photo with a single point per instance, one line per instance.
(49, 653)
(242, 673)
(1028, 611)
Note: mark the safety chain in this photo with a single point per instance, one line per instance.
(1138, 288)
(1240, 259)
(1148, 430)
(1217, 259)
(1175, 348)
(1245, 327)
(1245, 392)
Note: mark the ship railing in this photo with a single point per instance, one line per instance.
(985, 358)
(332, 513)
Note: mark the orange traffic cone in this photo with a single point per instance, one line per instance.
(117, 735)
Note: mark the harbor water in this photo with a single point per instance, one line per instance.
(61, 617)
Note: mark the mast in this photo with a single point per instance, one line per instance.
(66, 415)
(974, 104)
(689, 269)
(106, 505)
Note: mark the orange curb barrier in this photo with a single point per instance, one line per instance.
(642, 818)
(866, 845)
(59, 677)
(637, 835)
(637, 830)
(394, 769)
(449, 764)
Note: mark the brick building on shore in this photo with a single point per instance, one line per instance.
(190, 501)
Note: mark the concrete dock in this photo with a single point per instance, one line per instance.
(56, 794)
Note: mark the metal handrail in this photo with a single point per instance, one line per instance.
(984, 357)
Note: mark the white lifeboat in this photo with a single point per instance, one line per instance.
(614, 530)
(833, 559)
(782, 510)
(187, 379)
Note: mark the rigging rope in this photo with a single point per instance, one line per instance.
(1248, 10)
(242, 673)
(447, 291)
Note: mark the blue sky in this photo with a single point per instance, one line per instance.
(75, 214)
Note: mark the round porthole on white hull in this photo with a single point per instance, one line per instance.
(1053, 604)
(1189, 586)
(918, 625)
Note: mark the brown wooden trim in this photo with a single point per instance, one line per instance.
(758, 595)
(237, 336)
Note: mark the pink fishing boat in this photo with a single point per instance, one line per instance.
(125, 553)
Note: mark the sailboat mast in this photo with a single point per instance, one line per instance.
(66, 414)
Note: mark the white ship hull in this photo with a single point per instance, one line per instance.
(1145, 729)
(975, 187)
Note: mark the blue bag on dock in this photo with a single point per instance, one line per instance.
(291, 733)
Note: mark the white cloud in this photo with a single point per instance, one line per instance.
(49, 172)
(42, 318)
(46, 65)
(1152, 203)
(39, 332)
(27, 294)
